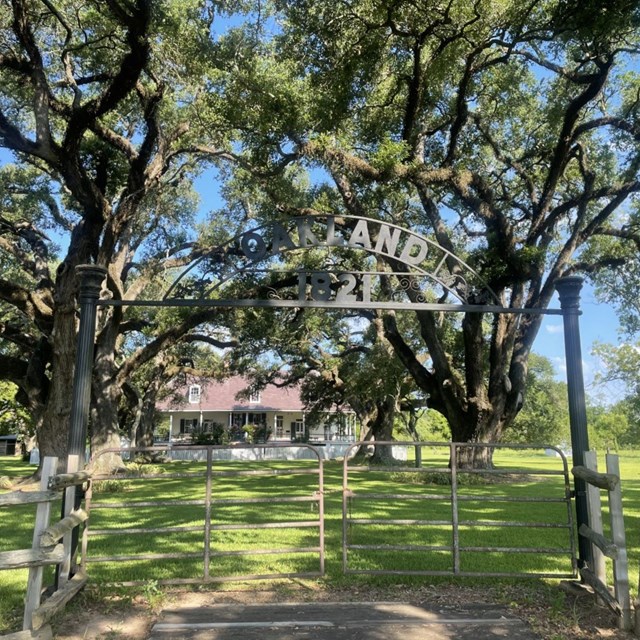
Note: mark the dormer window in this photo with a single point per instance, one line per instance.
(194, 393)
(254, 397)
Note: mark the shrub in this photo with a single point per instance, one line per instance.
(217, 435)
(110, 486)
(439, 478)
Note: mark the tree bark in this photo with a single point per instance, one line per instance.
(382, 430)
(144, 432)
(104, 428)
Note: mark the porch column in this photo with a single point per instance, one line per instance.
(569, 292)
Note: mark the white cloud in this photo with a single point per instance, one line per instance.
(554, 328)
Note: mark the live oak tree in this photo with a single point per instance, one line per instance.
(508, 132)
(100, 105)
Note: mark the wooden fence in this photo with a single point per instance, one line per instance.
(614, 548)
(47, 549)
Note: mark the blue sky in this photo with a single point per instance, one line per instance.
(598, 323)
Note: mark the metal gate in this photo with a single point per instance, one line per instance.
(207, 527)
(437, 518)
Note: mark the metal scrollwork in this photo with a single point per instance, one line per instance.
(261, 248)
(410, 286)
(275, 294)
(272, 294)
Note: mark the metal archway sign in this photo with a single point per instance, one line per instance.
(365, 263)
(345, 273)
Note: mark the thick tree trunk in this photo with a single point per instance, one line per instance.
(144, 432)
(485, 431)
(382, 429)
(105, 431)
(474, 458)
(53, 435)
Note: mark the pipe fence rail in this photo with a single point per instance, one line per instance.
(211, 527)
(454, 520)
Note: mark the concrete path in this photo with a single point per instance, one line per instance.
(340, 621)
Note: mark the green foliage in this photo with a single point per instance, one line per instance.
(111, 486)
(618, 425)
(256, 433)
(162, 432)
(544, 418)
(218, 434)
(431, 426)
(142, 466)
(613, 426)
(154, 595)
(14, 418)
(441, 479)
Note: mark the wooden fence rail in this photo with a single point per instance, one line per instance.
(46, 548)
(615, 548)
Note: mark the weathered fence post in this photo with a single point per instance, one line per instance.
(620, 562)
(69, 505)
(43, 513)
(594, 508)
(615, 548)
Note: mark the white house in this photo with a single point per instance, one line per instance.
(279, 411)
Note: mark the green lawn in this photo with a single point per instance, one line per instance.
(136, 526)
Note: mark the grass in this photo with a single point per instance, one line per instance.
(117, 511)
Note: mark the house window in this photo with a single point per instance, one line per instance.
(238, 419)
(188, 425)
(257, 418)
(194, 393)
(297, 426)
(254, 397)
(279, 427)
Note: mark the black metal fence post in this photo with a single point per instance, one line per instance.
(91, 278)
(569, 292)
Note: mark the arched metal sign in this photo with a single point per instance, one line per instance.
(330, 262)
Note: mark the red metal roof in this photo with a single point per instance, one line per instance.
(223, 396)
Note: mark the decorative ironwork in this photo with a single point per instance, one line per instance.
(270, 248)
(410, 286)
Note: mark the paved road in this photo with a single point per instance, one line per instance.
(339, 621)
